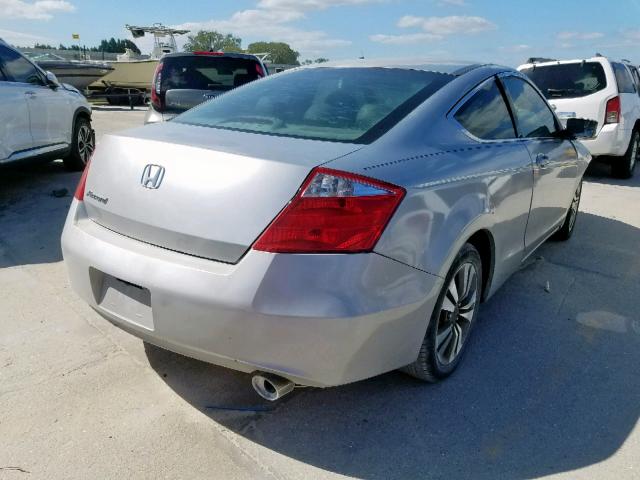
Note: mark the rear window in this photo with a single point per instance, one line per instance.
(568, 80)
(356, 105)
(623, 77)
(635, 75)
(203, 72)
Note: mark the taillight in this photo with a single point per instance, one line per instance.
(79, 195)
(156, 88)
(612, 114)
(333, 212)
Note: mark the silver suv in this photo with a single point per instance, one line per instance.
(40, 118)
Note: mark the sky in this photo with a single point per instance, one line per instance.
(506, 32)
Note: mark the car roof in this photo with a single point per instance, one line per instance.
(247, 56)
(428, 65)
(597, 58)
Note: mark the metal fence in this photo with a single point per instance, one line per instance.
(72, 54)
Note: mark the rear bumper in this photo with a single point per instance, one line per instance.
(318, 320)
(612, 140)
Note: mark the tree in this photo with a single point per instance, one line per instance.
(321, 60)
(206, 40)
(126, 43)
(116, 46)
(279, 52)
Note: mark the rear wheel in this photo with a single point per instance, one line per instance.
(569, 224)
(452, 320)
(82, 145)
(624, 167)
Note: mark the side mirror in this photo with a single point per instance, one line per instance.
(52, 80)
(578, 128)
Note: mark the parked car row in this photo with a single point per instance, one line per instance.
(329, 223)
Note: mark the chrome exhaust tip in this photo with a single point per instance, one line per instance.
(271, 387)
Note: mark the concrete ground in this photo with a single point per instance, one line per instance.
(550, 385)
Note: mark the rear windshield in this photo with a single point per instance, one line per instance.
(568, 80)
(204, 72)
(355, 105)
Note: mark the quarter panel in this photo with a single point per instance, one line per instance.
(452, 192)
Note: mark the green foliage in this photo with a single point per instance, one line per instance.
(116, 46)
(280, 53)
(211, 40)
(317, 60)
(109, 46)
(44, 46)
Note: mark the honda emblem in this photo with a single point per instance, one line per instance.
(152, 176)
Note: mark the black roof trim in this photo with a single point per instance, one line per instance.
(468, 68)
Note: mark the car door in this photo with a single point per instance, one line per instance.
(49, 109)
(15, 132)
(505, 166)
(554, 160)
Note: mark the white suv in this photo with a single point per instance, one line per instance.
(41, 119)
(601, 90)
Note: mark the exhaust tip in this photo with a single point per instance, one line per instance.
(271, 387)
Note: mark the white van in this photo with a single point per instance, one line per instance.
(597, 89)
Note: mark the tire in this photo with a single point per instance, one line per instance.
(566, 231)
(82, 145)
(441, 352)
(624, 167)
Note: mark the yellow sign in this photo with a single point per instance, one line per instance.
(75, 36)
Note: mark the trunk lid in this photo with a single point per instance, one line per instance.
(218, 191)
(590, 108)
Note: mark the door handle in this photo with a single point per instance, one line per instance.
(31, 93)
(542, 160)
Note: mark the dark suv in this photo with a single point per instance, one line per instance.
(183, 80)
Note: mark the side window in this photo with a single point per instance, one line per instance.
(485, 114)
(636, 76)
(17, 68)
(625, 82)
(534, 118)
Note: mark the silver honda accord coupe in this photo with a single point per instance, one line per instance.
(327, 224)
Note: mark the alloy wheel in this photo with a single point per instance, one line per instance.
(634, 153)
(573, 209)
(86, 143)
(457, 312)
